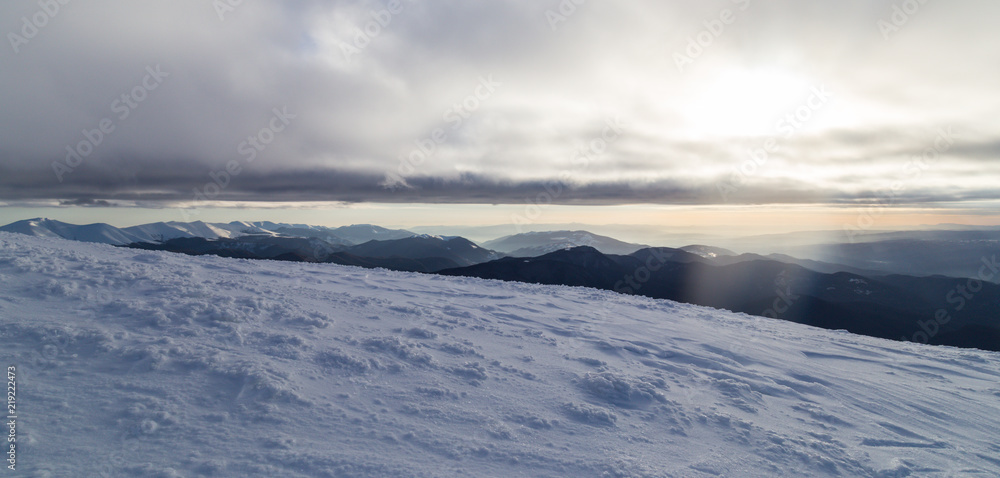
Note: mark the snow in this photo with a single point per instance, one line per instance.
(138, 363)
(107, 234)
(164, 231)
(156, 232)
(435, 236)
(41, 227)
(99, 232)
(202, 229)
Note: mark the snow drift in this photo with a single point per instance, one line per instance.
(137, 363)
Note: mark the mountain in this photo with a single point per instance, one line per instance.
(344, 235)
(951, 250)
(40, 227)
(140, 363)
(248, 247)
(107, 234)
(158, 232)
(361, 233)
(947, 233)
(100, 232)
(414, 254)
(457, 249)
(925, 309)
(582, 266)
(325, 234)
(957, 257)
(640, 234)
(531, 244)
(710, 252)
(818, 266)
(162, 231)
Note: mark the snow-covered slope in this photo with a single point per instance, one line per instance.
(99, 232)
(156, 232)
(108, 234)
(135, 363)
(162, 231)
(40, 227)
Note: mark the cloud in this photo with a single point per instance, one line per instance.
(87, 202)
(82, 83)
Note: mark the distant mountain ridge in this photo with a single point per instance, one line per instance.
(867, 301)
(461, 250)
(531, 244)
(412, 254)
(950, 253)
(158, 232)
(708, 251)
(100, 232)
(953, 253)
(887, 306)
(295, 249)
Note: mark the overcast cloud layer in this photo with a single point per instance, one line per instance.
(500, 102)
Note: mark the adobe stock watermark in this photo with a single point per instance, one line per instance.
(249, 149)
(225, 7)
(784, 297)
(123, 106)
(553, 189)
(562, 12)
(11, 425)
(749, 338)
(787, 126)
(913, 169)
(703, 40)
(958, 297)
(901, 14)
(427, 147)
(380, 19)
(32, 26)
(631, 283)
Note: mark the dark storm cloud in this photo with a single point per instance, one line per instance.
(87, 202)
(179, 182)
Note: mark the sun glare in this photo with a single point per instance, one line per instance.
(744, 102)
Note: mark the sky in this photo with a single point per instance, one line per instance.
(758, 115)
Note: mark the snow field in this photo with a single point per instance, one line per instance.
(135, 363)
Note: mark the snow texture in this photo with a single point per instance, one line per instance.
(136, 363)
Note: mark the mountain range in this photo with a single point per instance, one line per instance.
(864, 294)
(412, 254)
(530, 244)
(163, 231)
(936, 310)
(958, 252)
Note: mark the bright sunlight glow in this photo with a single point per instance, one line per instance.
(745, 102)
